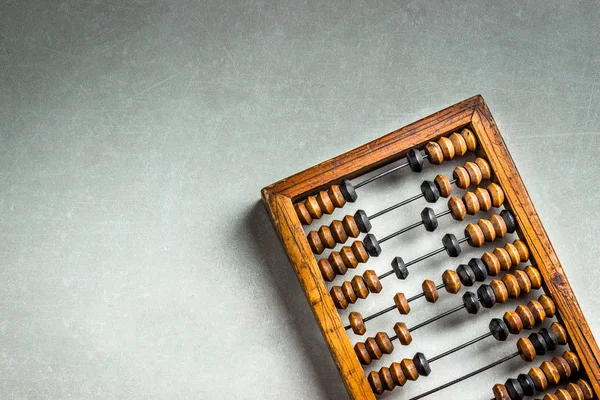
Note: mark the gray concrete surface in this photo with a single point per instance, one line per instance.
(137, 261)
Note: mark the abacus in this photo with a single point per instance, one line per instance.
(495, 200)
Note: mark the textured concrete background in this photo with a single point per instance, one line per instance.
(135, 137)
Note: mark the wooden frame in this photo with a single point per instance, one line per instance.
(473, 113)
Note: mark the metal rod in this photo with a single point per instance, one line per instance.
(443, 213)
(462, 346)
(402, 203)
(440, 316)
(401, 231)
(374, 178)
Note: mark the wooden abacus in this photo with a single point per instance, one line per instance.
(466, 127)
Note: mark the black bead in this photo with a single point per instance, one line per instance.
(509, 220)
(499, 329)
(486, 296)
(399, 268)
(362, 221)
(550, 338)
(348, 191)
(526, 384)
(451, 245)
(466, 275)
(430, 191)
(471, 303)
(429, 219)
(422, 364)
(539, 344)
(415, 160)
(372, 245)
(514, 389)
(479, 269)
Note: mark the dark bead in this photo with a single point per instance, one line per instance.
(372, 245)
(539, 344)
(451, 245)
(348, 191)
(422, 364)
(509, 220)
(466, 275)
(429, 219)
(499, 329)
(479, 269)
(362, 221)
(514, 389)
(430, 191)
(486, 296)
(526, 384)
(415, 160)
(470, 302)
(399, 268)
(550, 338)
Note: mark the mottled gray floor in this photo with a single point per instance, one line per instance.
(137, 261)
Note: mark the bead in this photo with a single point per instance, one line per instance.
(474, 173)
(539, 379)
(462, 177)
(465, 274)
(337, 263)
(361, 352)
(373, 349)
(470, 139)
(349, 292)
(484, 166)
(434, 153)
(443, 185)
(451, 281)
(562, 366)
(548, 304)
(430, 291)
(496, 194)
(512, 286)
(499, 225)
(479, 269)
(430, 191)
(338, 232)
(375, 382)
(486, 296)
(560, 332)
(514, 389)
(384, 343)
(523, 250)
(539, 344)
(451, 245)
(499, 329)
(336, 196)
(397, 374)
(484, 199)
(550, 338)
(491, 262)
(527, 384)
(523, 280)
(526, 316)
(401, 303)
(325, 202)
(488, 229)
(535, 279)
(372, 281)
(513, 321)
(326, 270)
(386, 378)
(348, 191)
(362, 222)
(572, 360)
(513, 254)
(562, 394)
(403, 333)
(526, 349)
(471, 303)
(447, 148)
(539, 315)
(360, 287)
(339, 300)
(500, 392)
(503, 258)
(348, 257)
(551, 372)
(303, 214)
(372, 245)
(575, 391)
(313, 207)
(316, 245)
(422, 364)
(357, 323)
(415, 160)
(549, 396)
(499, 290)
(429, 219)
(326, 237)
(509, 220)
(586, 389)
(409, 369)
(457, 208)
(471, 203)
(475, 235)
(359, 251)
(399, 268)
(459, 143)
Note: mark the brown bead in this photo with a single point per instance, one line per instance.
(360, 287)
(430, 291)
(548, 304)
(526, 349)
(373, 348)
(303, 214)
(372, 281)
(471, 203)
(451, 281)
(361, 352)
(338, 231)
(313, 207)
(513, 322)
(539, 315)
(560, 332)
(348, 257)
(462, 177)
(349, 292)
(403, 333)
(523, 279)
(551, 372)
(474, 173)
(572, 360)
(499, 290)
(500, 392)
(526, 316)
(401, 303)
(410, 369)
(484, 166)
(470, 139)
(325, 202)
(337, 295)
(327, 271)
(397, 374)
(358, 248)
(491, 262)
(575, 391)
(350, 227)
(512, 286)
(386, 378)
(336, 196)
(475, 235)
(443, 184)
(499, 225)
(384, 343)
(496, 194)
(586, 389)
(375, 382)
(488, 230)
(337, 263)
(562, 394)
(357, 323)
(523, 250)
(434, 153)
(460, 146)
(513, 254)
(539, 379)
(503, 258)
(564, 370)
(550, 396)
(315, 243)
(447, 148)
(326, 237)
(457, 208)
(483, 197)
(535, 279)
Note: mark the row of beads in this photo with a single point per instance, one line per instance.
(357, 288)
(338, 262)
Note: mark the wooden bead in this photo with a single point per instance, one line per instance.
(375, 382)
(401, 303)
(539, 379)
(500, 392)
(503, 258)
(523, 250)
(313, 207)
(471, 203)
(361, 352)
(496, 194)
(430, 291)
(327, 271)
(325, 202)
(491, 262)
(349, 292)
(397, 374)
(562, 366)
(337, 263)
(447, 148)
(457, 208)
(499, 290)
(336, 196)
(526, 316)
(484, 199)
(348, 257)
(470, 139)
(575, 391)
(434, 153)
(373, 349)
(372, 281)
(526, 349)
(562, 394)
(326, 237)
(443, 185)
(539, 315)
(386, 378)
(549, 396)
(523, 279)
(551, 372)
(338, 298)
(474, 173)
(316, 245)
(462, 177)
(403, 333)
(460, 146)
(488, 230)
(384, 343)
(512, 286)
(358, 248)
(409, 369)
(360, 287)
(548, 304)
(586, 389)
(513, 322)
(572, 360)
(499, 225)
(560, 332)
(357, 323)
(535, 278)
(513, 254)
(303, 214)
(451, 281)
(338, 231)
(475, 235)
(484, 166)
